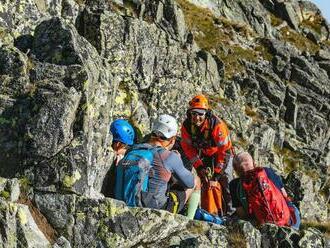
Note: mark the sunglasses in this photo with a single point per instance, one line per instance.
(197, 113)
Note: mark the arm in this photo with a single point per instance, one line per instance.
(174, 164)
(222, 140)
(188, 149)
(236, 198)
(276, 179)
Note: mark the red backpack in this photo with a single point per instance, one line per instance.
(265, 200)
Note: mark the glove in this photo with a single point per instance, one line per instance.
(202, 173)
(219, 168)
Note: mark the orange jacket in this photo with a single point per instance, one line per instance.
(218, 144)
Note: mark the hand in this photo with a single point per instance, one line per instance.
(202, 173)
(219, 168)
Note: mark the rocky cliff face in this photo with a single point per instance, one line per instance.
(68, 68)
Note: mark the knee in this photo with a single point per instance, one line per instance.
(197, 183)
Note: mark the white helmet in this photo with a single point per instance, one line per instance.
(166, 125)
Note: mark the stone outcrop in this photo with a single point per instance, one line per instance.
(68, 68)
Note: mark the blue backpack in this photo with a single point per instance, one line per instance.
(132, 174)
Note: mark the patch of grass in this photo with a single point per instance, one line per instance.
(4, 121)
(129, 8)
(215, 100)
(326, 43)
(275, 21)
(256, 118)
(314, 23)
(5, 194)
(236, 238)
(196, 227)
(263, 50)
(241, 142)
(233, 59)
(323, 227)
(80, 2)
(298, 40)
(215, 34)
(291, 159)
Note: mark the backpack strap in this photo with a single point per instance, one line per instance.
(205, 139)
(242, 196)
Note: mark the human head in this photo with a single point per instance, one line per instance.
(123, 134)
(242, 163)
(198, 108)
(165, 128)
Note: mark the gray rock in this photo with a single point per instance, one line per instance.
(274, 236)
(60, 89)
(251, 235)
(326, 66)
(19, 227)
(59, 211)
(273, 89)
(62, 242)
(304, 193)
(56, 46)
(311, 238)
(250, 12)
(50, 128)
(288, 11)
(13, 188)
(282, 49)
(291, 106)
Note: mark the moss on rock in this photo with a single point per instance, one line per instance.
(69, 181)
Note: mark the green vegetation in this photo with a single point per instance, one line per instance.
(5, 194)
(236, 238)
(4, 121)
(314, 23)
(197, 227)
(129, 8)
(275, 21)
(80, 2)
(326, 43)
(216, 36)
(69, 181)
(253, 114)
(241, 142)
(291, 159)
(263, 50)
(215, 100)
(298, 40)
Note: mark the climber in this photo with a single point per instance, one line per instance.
(122, 138)
(259, 194)
(206, 143)
(164, 165)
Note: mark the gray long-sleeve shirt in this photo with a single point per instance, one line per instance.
(165, 164)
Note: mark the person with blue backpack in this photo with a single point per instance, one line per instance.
(123, 136)
(143, 175)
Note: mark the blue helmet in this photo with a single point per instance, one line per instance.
(122, 131)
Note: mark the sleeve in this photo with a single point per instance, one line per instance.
(190, 152)
(233, 187)
(222, 140)
(174, 164)
(274, 177)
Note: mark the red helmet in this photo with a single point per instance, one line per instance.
(199, 102)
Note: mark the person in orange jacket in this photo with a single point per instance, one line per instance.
(206, 143)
